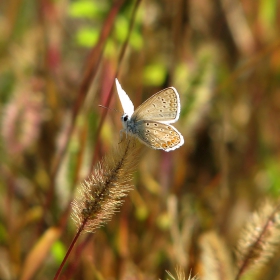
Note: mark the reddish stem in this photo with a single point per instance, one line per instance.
(69, 250)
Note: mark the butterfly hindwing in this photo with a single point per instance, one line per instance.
(159, 135)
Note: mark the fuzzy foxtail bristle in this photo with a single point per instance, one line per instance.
(260, 239)
(101, 195)
(180, 275)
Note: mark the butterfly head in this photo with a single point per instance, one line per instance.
(125, 118)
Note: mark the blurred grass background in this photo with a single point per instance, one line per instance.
(58, 61)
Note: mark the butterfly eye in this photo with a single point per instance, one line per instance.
(125, 118)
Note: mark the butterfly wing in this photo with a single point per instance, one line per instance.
(159, 135)
(127, 104)
(164, 106)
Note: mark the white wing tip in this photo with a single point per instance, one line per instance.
(125, 100)
(119, 88)
(117, 83)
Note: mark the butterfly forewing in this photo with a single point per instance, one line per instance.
(127, 104)
(163, 106)
(158, 135)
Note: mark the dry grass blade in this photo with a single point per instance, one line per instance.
(215, 258)
(37, 256)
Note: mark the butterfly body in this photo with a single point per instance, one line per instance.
(150, 122)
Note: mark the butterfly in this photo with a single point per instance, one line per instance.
(150, 122)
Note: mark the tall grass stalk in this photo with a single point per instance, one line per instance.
(101, 195)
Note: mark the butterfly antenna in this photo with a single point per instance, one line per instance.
(109, 108)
